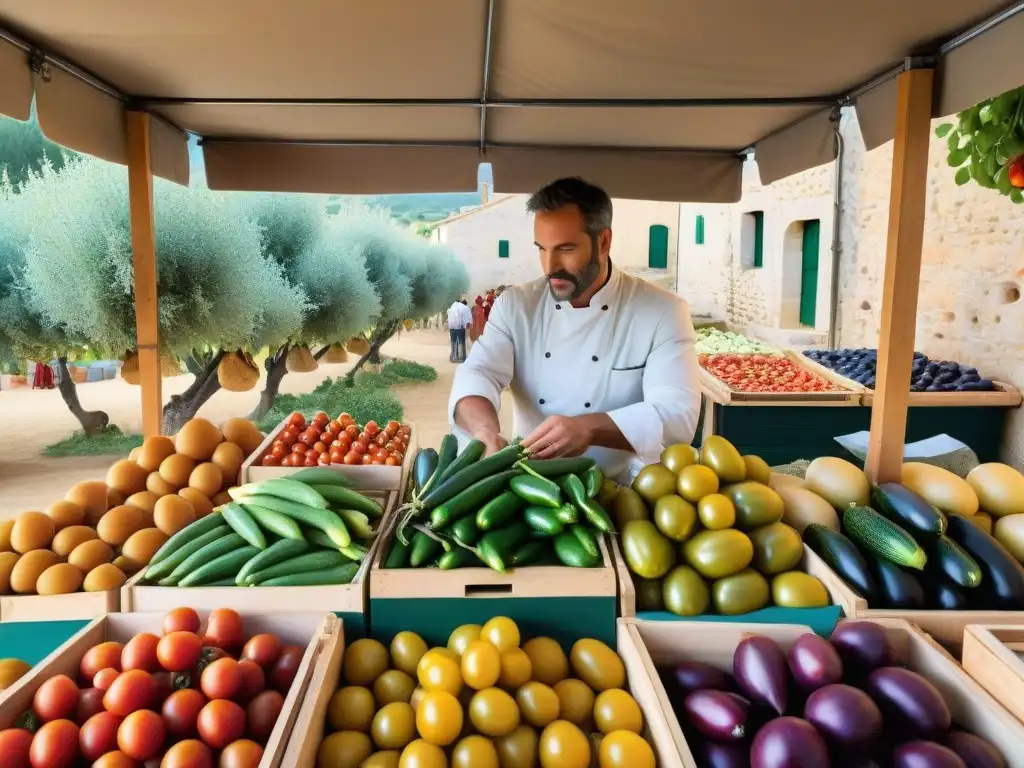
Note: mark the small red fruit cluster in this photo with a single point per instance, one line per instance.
(764, 373)
(324, 441)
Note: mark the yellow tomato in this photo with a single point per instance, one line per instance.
(351, 709)
(539, 704)
(12, 670)
(493, 712)
(439, 718)
(407, 648)
(421, 754)
(344, 749)
(386, 759)
(394, 726)
(394, 685)
(616, 710)
(439, 672)
(501, 632)
(519, 748)
(597, 665)
(364, 662)
(462, 637)
(625, 749)
(576, 700)
(481, 665)
(547, 660)
(563, 745)
(475, 752)
(417, 697)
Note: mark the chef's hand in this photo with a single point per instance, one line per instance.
(492, 440)
(559, 436)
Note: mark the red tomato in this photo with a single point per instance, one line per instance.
(319, 447)
(299, 448)
(264, 649)
(104, 678)
(381, 439)
(140, 653)
(309, 438)
(241, 754)
(225, 626)
(131, 691)
(312, 459)
(289, 438)
(90, 701)
(221, 679)
(221, 722)
(352, 431)
(141, 735)
(181, 620)
(398, 456)
(371, 428)
(99, 657)
(179, 651)
(56, 699)
(55, 745)
(286, 667)
(115, 759)
(190, 753)
(262, 714)
(336, 426)
(336, 456)
(321, 416)
(367, 459)
(323, 460)
(99, 735)
(14, 746)
(181, 711)
(253, 681)
(352, 458)
(391, 461)
(271, 461)
(297, 419)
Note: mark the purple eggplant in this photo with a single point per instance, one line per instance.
(913, 699)
(814, 662)
(759, 667)
(718, 715)
(694, 676)
(863, 645)
(788, 742)
(722, 754)
(975, 751)
(845, 716)
(926, 754)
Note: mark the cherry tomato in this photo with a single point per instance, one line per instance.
(286, 667)
(55, 745)
(90, 701)
(115, 759)
(391, 461)
(352, 458)
(381, 439)
(181, 711)
(179, 651)
(312, 459)
(131, 691)
(56, 699)
(271, 461)
(221, 679)
(336, 426)
(141, 735)
(322, 417)
(299, 448)
(99, 735)
(262, 714)
(371, 428)
(345, 440)
(140, 653)
(104, 678)
(190, 753)
(336, 456)
(181, 620)
(309, 438)
(297, 419)
(221, 722)
(99, 657)
(253, 681)
(323, 460)
(367, 459)
(14, 746)
(352, 431)
(225, 627)
(399, 456)
(264, 649)
(289, 438)
(377, 461)
(241, 754)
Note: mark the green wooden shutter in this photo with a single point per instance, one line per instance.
(657, 247)
(503, 249)
(698, 235)
(758, 239)
(809, 272)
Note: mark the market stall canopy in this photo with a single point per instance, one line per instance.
(654, 99)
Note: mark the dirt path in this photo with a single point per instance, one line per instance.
(29, 421)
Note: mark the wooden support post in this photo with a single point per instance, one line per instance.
(140, 192)
(902, 275)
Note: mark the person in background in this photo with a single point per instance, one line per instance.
(458, 318)
(479, 319)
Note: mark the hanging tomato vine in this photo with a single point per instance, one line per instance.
(986, 144)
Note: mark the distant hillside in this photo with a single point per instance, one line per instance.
(408, 209)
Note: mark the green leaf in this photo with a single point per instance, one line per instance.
(991, 166)
(1013, 145)
(1002, 180)
(963, 175)
(1017, 195)
(953, 142)
(943, 130)
(969, 121)
(980, 175)
(957, 158)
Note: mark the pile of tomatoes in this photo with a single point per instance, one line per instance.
(764, 373)
(324, 441)
(185, 698)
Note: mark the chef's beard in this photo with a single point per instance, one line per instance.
(581, 281)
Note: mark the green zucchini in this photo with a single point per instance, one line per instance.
(586, 538)
(1002, 585)
(324, 519)
(953, 560)
(228, 581)
(544, 521)
(498, 511)
(446, 454)
(355, 551)
(273, 521)
(242, 523)
(398, 555)
(187, 534)
(530, 553)
(880, 535)
(182, 553)
(221, 567)
(275, 553)
(465, 531)
(496, 547)
(471, 498)
(538, 491)
(570, 551)
(321, 476)
(423, 467)
(423, 549)
(471, 454)
(593, 479)
(310, 562)
(908, 509)
(281, 488)
(227, 543)
(349, 499)
(556, 467)
(338, 574)
(496, 464)
(568, 513)
(576, 491)
(356, 522)
(318, 538)
(842, 556)
(458, 557)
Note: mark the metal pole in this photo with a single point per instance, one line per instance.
(837, 242)
(484, 92)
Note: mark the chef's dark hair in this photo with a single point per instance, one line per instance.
(593, 202)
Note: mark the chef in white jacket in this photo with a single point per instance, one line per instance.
(598, 362)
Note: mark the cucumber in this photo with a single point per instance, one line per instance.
(498, 511)
(953, 561)
(355, 551)
(225, 582)
(543, 520)
(496, 464)
(324, 519)
(496, 547)
(398, 555)
(187, 534)
(423, 549)
(311, 561)
(594, 512)
(356, 522)
(349, 499)
(227, 543)
(281, 488)
(471, 454)
(446, 454)
(842, 556)
(243, 524)
(321, 476)
(465, 531)
(275, 553)
(459, 557)
(568, 513)
(897, 588)
(908, 509)
(586, 538)
(168, 564)
(593, 479)
(1002, 582)
(558, 467)
(471, 498)
(570, 551)
(221, 567)
(423, 467)
(531, 553)
(273, 521)
(339, 574)
(883, 537)
(538, 491)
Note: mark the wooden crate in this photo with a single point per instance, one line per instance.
(377, 478)
(720, 392)
(77, 605)
(1004, 396)
(992, 656)
(321, 634)
(349, 601)
(665, 643)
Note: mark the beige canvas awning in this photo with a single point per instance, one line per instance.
(656, 99)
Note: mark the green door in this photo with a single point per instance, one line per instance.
(809, 272)
(657, 247)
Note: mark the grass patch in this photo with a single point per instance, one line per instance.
(111, 441)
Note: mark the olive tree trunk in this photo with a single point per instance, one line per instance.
(378, 339)
(181, 408)
(91, 421)
(277, 367)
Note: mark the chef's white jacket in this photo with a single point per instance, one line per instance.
(629, 354)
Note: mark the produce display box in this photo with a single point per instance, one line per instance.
(33, 641)
(321, 634)
(76, 605)
(821, 620)
(992, 656)
(539, 598)
(1004, 396)
(348, 601)
(720, 392)
(666, 643)
(377, 478)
